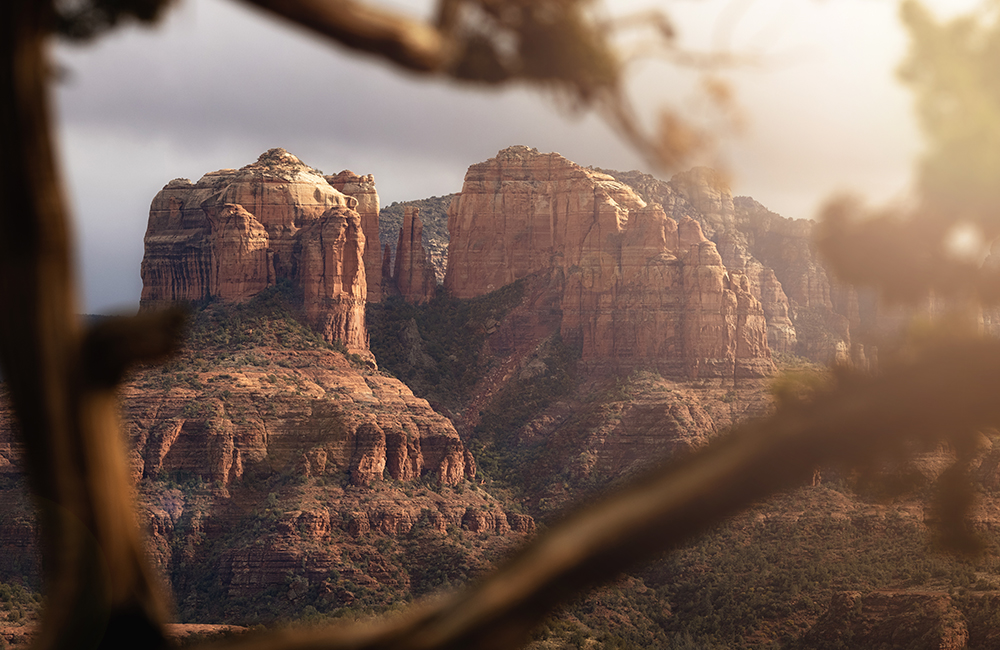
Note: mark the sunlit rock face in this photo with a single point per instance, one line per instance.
(707, 191)
(343, 423)
(363, 189)
(639, 289)
(236, 232)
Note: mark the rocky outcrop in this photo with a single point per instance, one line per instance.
(806, 312)
(236, 232)
(707, 191)
(311, 417)
(781, 334)
(524, 212)
(362, 188)
(638, 288)
(413, 274)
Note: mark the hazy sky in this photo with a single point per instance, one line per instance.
(217, 84)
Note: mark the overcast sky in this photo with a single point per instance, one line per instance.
(217, 84)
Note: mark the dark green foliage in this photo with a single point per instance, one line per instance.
(452, 333)
(780, 575)
(762, 580)
(436, 564)
(272, 318)
(18, 604)
(499, 453)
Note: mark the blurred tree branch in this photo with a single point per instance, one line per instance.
(62, 379)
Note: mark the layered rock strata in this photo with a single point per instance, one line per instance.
(279, 468)
(310, 417)
(638, 288)
(236, 232)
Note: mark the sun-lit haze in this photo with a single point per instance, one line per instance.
(217, 84)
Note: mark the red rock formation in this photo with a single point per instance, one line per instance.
(331, 272)
(517, 213)
(236, 232)
(362, 188)
(367, 427)
(240, 263)
(413, 274)
(639, 288)
(707, 191)
(781, 335)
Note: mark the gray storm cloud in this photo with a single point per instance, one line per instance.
(218, 84)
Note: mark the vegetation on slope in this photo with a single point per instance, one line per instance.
(437, 348)
(272, 318)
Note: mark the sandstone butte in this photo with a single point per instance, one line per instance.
(352, 456)
(236, 232)
(637, 288)
(676, 272)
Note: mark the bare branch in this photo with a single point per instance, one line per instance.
(412, 44)
(98, 580)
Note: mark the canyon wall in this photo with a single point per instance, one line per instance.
(236, 232)
(638, 288)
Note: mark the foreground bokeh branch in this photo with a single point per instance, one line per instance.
(62, 383)
(98, 579)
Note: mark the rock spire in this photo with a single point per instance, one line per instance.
(413, 272)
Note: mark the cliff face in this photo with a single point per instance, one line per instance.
(806, 312)
(362, 188)
(236, 232)
(638, 288)
(314, 419)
